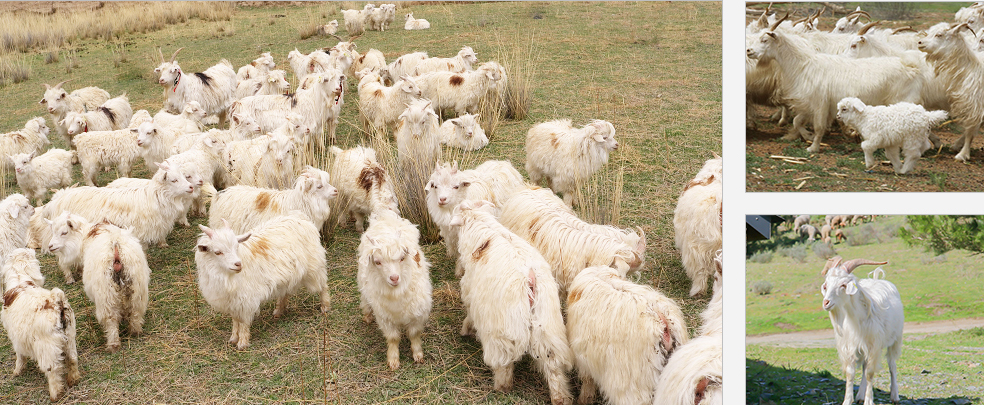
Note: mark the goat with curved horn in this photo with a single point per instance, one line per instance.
(779, 21)
(868, 26)
(175, 54)
(903, 29)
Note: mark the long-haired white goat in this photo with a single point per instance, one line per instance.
(867, 317)
(812, 83)
(563, 157)
(39, 322)
(624, 347)
(115, 274)
(901, 126)
(511, 301)
(394, 282)
(213, 89)
(697, 224)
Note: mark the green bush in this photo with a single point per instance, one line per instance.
(761, 257)
(823, 250)
(762, 287)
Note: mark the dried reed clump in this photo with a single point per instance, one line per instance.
(23, 32)
(521, 63)
(71, 60)
(14, 69)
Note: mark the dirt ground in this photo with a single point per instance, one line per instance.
(839, 166)
(825, 337)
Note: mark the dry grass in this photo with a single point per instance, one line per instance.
(23, 32)
(14, 69)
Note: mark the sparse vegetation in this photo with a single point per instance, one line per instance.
(762, 287)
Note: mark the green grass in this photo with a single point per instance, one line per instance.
(927, 287)
(934, 369)
(657, 80)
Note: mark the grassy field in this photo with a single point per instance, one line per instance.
(933, 370)
(925, 281)
(657, 79)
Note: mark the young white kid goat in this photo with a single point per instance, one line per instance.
(563, 157)
(394, 282)
(39, 322)
(904, 126)
(867, 317)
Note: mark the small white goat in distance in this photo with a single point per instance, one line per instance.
(904, 126)
(867, 317)
(416, 23)
(213, 89)
(40, 323)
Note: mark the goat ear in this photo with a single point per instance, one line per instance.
(202, 248)
(12, 209)
(851, 288)
(242, 238)
(48, 221)
(598, 137)
(456, 122)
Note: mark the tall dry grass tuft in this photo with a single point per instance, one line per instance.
(520, 58)
(600, 198)
(71, 60)
(14, 69)
(120, 55)
(23, 32)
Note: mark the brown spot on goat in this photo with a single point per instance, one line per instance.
(263, 200)
(416, 257)
(456, 80)
(260, 247)
(480, 252)
(371, 175)
(10, 295)
(699, 390)
(378, 93)
(554, 141)
(48, 305)
(534, 228)
(573, 296)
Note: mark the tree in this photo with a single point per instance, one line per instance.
(943, 233)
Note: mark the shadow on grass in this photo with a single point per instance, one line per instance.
(775, 384)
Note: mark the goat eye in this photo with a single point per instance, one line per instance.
(377, 262)
(64, 233)
(455, 187)
(218, 253)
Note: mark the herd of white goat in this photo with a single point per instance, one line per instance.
(520, 251)
(890, 85)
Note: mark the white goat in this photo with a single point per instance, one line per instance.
(213, 89)
(353, 22)
(149, 211)
(563, 157)
(363, 184)
(403, 66)
(415, 23)
(265, 161)
(464, 133)
(190, 120)
(494, 181)
(461, 62)
(623, 348)
(373, 59)
(314, 101)
(460, 91)
(114, 114)
(59, 102)
(36, 174)
(568, 243)
(237, 273)
(963, 72)
(98, 149)
(258, 66)
(867, 317)
(40, 323)
(15, 217)
(247, 207)
(394, 282)
(31, 139)
(904, 126)
(187, 169)
(272, 83)
(381, 106)
(697, 224)
(115, 274)
(511, 301)
(812, 83)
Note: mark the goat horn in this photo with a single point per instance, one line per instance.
(159, 52)
(58, 86)
(964, 25)
(902, 29)
(779, 21)
(866, 27)
(850, 265)
(804, 19)
(831, 263)
(175, 54)
(817, 13)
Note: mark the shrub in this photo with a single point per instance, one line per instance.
(824, 251)
(796, 252)
(762, 287)
(762, 257)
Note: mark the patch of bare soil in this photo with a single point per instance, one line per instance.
(825, 337)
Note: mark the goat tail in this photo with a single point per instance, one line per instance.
(874, 275)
